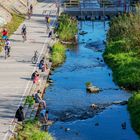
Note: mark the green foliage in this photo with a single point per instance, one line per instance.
(123, 56)
(12, 26)
(123, 50)
(67, 28)
(134, 108)
(29, 100)
(58, 54)
(31, 131)
(88, 84)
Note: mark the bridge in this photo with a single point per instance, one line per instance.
(93, 10)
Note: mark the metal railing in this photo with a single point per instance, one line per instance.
(85, 6)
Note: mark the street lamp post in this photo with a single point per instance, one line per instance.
(58, 7)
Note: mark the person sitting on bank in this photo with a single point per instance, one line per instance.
(42, 104)
(20, 114)
(37, 96)
(42, 64)
(44, 116)
(36, 79)
(34, 74)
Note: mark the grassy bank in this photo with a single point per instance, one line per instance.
(67, 28)
(31, 131)
(134, 108)
(122, 54)
(12, 25)
(58, 54)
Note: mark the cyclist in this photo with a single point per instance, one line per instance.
(4, 34)
(7, 48)
(31, 9)
(29, 14)
(23, 31)
(47, 21)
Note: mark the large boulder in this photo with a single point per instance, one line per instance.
(120, 102)
(93, 89)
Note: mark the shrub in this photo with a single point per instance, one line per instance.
(123, 50)
(123, 55)
(67, 28)
(58, 54)
(31, 131)
(29, 100)
(134, 108)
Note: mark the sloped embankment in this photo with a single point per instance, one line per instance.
(7, 7)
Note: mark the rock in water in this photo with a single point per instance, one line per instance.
(93, 89)
(83, 33)
(124, 103)
(120, 102)
(123, 125)
(97, 124)
(94, 106)
(67, 129)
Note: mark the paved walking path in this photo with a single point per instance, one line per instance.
(15, 71)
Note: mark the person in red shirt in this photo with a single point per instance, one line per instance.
(4, 34)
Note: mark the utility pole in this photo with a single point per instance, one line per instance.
(27, 4)
(58, 7)
(125, 6)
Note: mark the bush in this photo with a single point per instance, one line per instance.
(134, 108)
(31, 131)
(67, 28)
(58, 54)
(123, 50)
(29, 100)
(123, 55)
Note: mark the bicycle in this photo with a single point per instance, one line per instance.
(35, 57)
(24, 36)
(29, 15)
(7, 52)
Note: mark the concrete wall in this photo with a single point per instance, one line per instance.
(13, 6)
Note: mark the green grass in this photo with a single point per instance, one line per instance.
(31, 131)
(122, 54)
(58, 54)
(67, 28)
(134, 108)
(12, 26)
(88, 84)
(29, 100)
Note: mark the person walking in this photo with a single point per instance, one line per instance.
(7, 48)
(31, 9)
(23, 32)
(29, 14)
(50, 34)
(47, 22)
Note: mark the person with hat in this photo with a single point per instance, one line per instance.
(20, 114)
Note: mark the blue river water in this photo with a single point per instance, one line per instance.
(68, 101)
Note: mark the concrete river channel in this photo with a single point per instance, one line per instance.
(69, 103)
